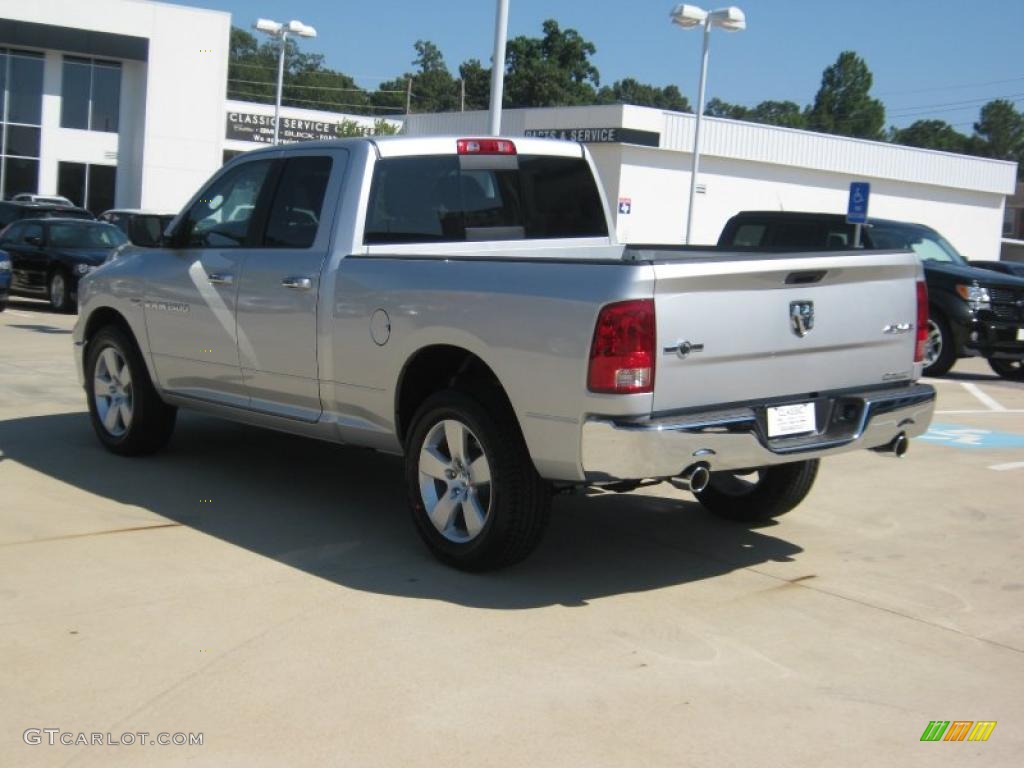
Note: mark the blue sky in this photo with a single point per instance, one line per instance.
(929, 58)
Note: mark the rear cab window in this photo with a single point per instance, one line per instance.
(445, 199)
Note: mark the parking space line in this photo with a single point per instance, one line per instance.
(984, 398)
(986, 413)
(1010, 465)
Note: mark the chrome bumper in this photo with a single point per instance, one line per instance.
(736, 438)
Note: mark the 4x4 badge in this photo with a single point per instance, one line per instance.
(801, 317)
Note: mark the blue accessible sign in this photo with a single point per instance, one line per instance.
(857, 208)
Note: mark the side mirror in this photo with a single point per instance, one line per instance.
(171, 236)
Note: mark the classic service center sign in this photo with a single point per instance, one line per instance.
(252, 126)
(599, 135)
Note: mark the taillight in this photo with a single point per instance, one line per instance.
(922, 321)
(622, 354)
(485, 147)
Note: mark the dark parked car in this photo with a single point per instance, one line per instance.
(5, 279)
(48, 256)
(11, 212)
(972, 311)
(1015, 268)
(143, 228)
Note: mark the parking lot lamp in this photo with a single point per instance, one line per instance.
(731, 19)
(280, 32)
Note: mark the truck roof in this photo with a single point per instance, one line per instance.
(405, 146)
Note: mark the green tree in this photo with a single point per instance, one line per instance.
(433, 87)
(843, 104)
(1000, 128)
(785, 113)
(550, 71)
(718, 108)
(630, 91)
(252, 76)
(478, 84)
(930, 134)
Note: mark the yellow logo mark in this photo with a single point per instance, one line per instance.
(982, 730)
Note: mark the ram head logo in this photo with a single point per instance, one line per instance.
(801, 317)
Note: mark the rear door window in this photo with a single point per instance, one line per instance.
(298, 203)
(749, 235)
(799, 234)
(435, 199)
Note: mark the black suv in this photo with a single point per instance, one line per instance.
(11, 212)
(972, 311)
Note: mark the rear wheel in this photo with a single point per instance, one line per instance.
(126, 412)
(940, 349)
(59, 291)
(476, 498)
(760, 494)
(1008, 369)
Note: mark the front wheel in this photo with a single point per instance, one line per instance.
(126, 412)
(476, 498)
(758, 495)
(940, 349)
(1008, 369)
(59, 291)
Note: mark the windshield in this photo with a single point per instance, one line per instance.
(928, 245)
(74, 235)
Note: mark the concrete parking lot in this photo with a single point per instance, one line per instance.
(269, 593)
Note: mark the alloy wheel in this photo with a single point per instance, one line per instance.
(455, 481)
(933, 346)
(57, 291)
(112, 392)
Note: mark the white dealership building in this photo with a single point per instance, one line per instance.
(124, 102)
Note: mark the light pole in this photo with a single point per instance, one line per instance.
(280, 32)
(730, 19)
(498, 65)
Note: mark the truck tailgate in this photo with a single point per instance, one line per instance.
(727, 332)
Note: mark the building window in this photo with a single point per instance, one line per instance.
(21, 112)
(88, 186)
(90, 94)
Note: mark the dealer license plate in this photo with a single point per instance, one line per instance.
(791, 419)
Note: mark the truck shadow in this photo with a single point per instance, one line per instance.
(340, 514)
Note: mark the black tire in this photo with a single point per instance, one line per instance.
(947, 345)
(1008, 369)
(518, 501)
(775, 491)
(58, 291)
(152, 421)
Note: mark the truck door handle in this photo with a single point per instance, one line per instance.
(220, 278)
(297, 283)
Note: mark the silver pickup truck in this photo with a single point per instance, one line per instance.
(464, 303)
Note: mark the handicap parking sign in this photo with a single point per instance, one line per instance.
(625, 205)
(857, 207)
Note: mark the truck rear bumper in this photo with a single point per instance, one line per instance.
(736, 438)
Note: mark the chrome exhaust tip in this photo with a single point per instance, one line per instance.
(694, 478)
(898, 447)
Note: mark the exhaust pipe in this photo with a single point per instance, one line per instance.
(898, 447)
(694, 478)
